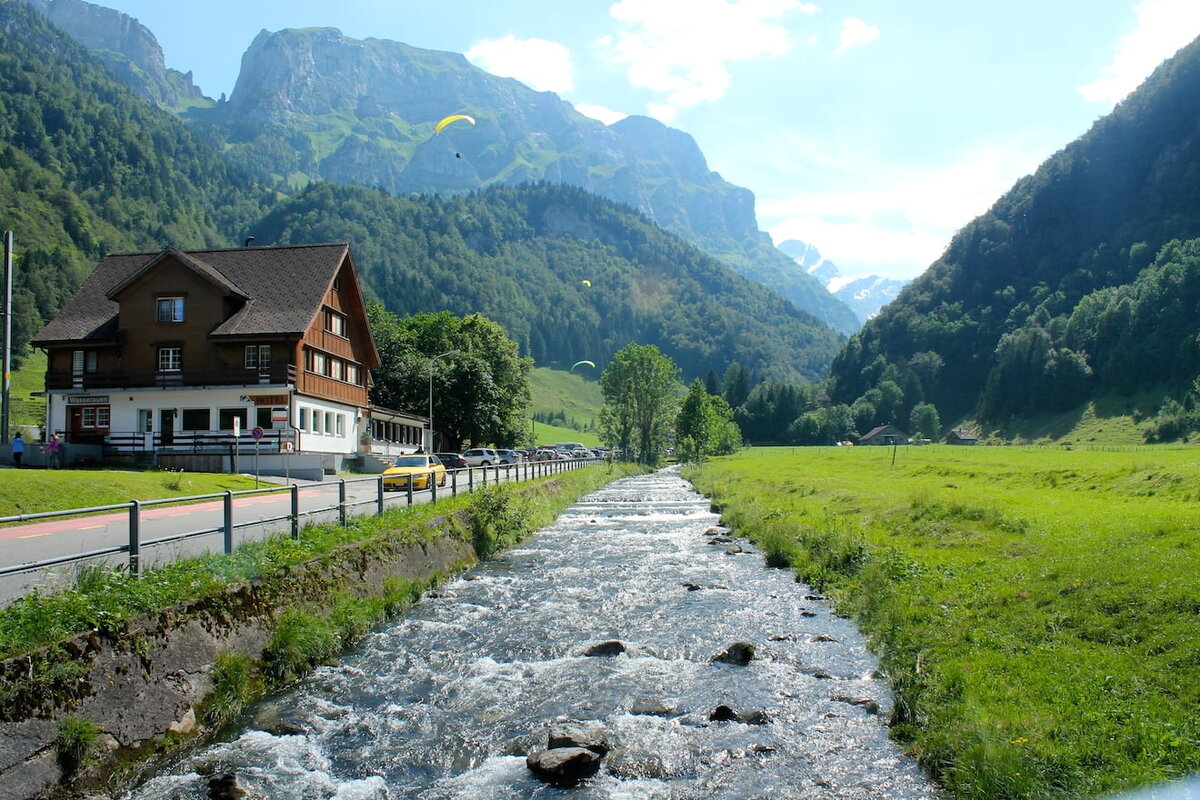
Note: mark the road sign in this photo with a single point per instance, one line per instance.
(257, 432)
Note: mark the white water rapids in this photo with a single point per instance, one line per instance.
(445, 702)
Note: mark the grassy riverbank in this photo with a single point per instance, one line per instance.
(1035, 610)
(105, 599)
(30, 491)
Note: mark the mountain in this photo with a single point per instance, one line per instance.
(1069, 288)
(314, 104)
(863, 294)
(570, 276)
(126, 47)
(86, 167)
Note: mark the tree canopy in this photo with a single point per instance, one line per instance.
(641, 387)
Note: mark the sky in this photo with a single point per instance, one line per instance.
(870, 129)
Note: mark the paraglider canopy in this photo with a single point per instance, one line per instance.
(450, 120)
(586, 283)
(585, 363)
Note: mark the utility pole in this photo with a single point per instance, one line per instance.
(4, 395)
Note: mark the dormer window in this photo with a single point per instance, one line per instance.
(170, 309)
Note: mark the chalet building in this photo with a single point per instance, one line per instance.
(885, 435)
(177, 351)
(961, 436)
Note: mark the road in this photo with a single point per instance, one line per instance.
(254, 516)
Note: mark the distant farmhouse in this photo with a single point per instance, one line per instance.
(961, 436)
(884, 435)
(181, 354)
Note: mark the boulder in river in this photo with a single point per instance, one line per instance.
(739, 654)
(650, 708)
(605, 649)
(225, 787)
(722, 713)
(563, 766)
(579, 734)
(865, 703)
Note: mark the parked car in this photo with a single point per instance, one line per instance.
(545, 454)
(452, 460)
(417, 469)
(509, 456)
(481, 457)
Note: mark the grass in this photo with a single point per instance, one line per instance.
(29, 491)
(31, 377)
(568, 397)
(75, 744)
(1035, 609)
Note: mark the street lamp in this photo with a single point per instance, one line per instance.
(435, 358)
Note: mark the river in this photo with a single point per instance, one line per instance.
(445, 702)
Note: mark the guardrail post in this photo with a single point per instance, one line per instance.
(454, 484)
(135, 548)
(470, 480)
(432, 487)
(228, 522)
(410, 483)
(342, 502)
(485, 469)
(379, 494)
(295, 492)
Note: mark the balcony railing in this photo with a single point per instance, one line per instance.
(129, 379)
(275, 440)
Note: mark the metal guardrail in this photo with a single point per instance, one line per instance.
(523, 471)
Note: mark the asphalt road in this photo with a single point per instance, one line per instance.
(254, 516)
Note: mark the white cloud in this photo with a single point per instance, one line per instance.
(539, 63)
(855, 31)
(663, 112)
(899, 221)
(1163, 27)
(605, 115)
(680, 49)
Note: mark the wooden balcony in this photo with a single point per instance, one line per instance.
(138, 379)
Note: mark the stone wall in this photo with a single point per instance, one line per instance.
(143, 682)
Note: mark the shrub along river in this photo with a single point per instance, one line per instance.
(446, 702)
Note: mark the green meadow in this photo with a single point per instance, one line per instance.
(1036, 610)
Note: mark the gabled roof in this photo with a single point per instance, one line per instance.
(203, 269)
(284, 287)
(881, 429)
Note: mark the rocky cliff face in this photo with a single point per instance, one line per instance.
(365, 112)
(125, 46)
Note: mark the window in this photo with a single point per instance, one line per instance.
(303, 418)
(318, 363)
(352, 373)
(341, 424)
(170, 309)
(83, 361)
(89, 417)
(102, 420)
(329, 422)
(337, 369)
(335, 323)
(226, 416)
(196, 419)
(145, 420)
(262, 417)
(258, 356)
(170, 359)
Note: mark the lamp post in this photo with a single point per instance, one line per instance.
(435, 358)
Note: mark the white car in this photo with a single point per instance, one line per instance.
(481, 457)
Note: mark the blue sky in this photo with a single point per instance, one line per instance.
(872, 129)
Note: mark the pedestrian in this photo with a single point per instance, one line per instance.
(18, 449)
(54, 452)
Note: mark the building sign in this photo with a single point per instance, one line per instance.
(87, 399)
(270, 399)
(279, 414)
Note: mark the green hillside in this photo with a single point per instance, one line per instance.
(1080, 283)
(566, 396)
(568, 274)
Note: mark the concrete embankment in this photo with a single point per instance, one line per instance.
(140, 685)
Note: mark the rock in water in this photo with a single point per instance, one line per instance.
(578, 734)
(563, 766)
(605, 649)
(722, 714)
(739, 653)
(225, 787)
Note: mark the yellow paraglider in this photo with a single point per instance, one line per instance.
(587, 283)
(450, 120)
(585, 363)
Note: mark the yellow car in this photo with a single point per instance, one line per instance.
(416, 468)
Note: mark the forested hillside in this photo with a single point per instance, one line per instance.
(525, 256)
(1062, 291)
(87, 168)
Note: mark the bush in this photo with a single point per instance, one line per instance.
(302, 639)
(75, 744)
(236, 684)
